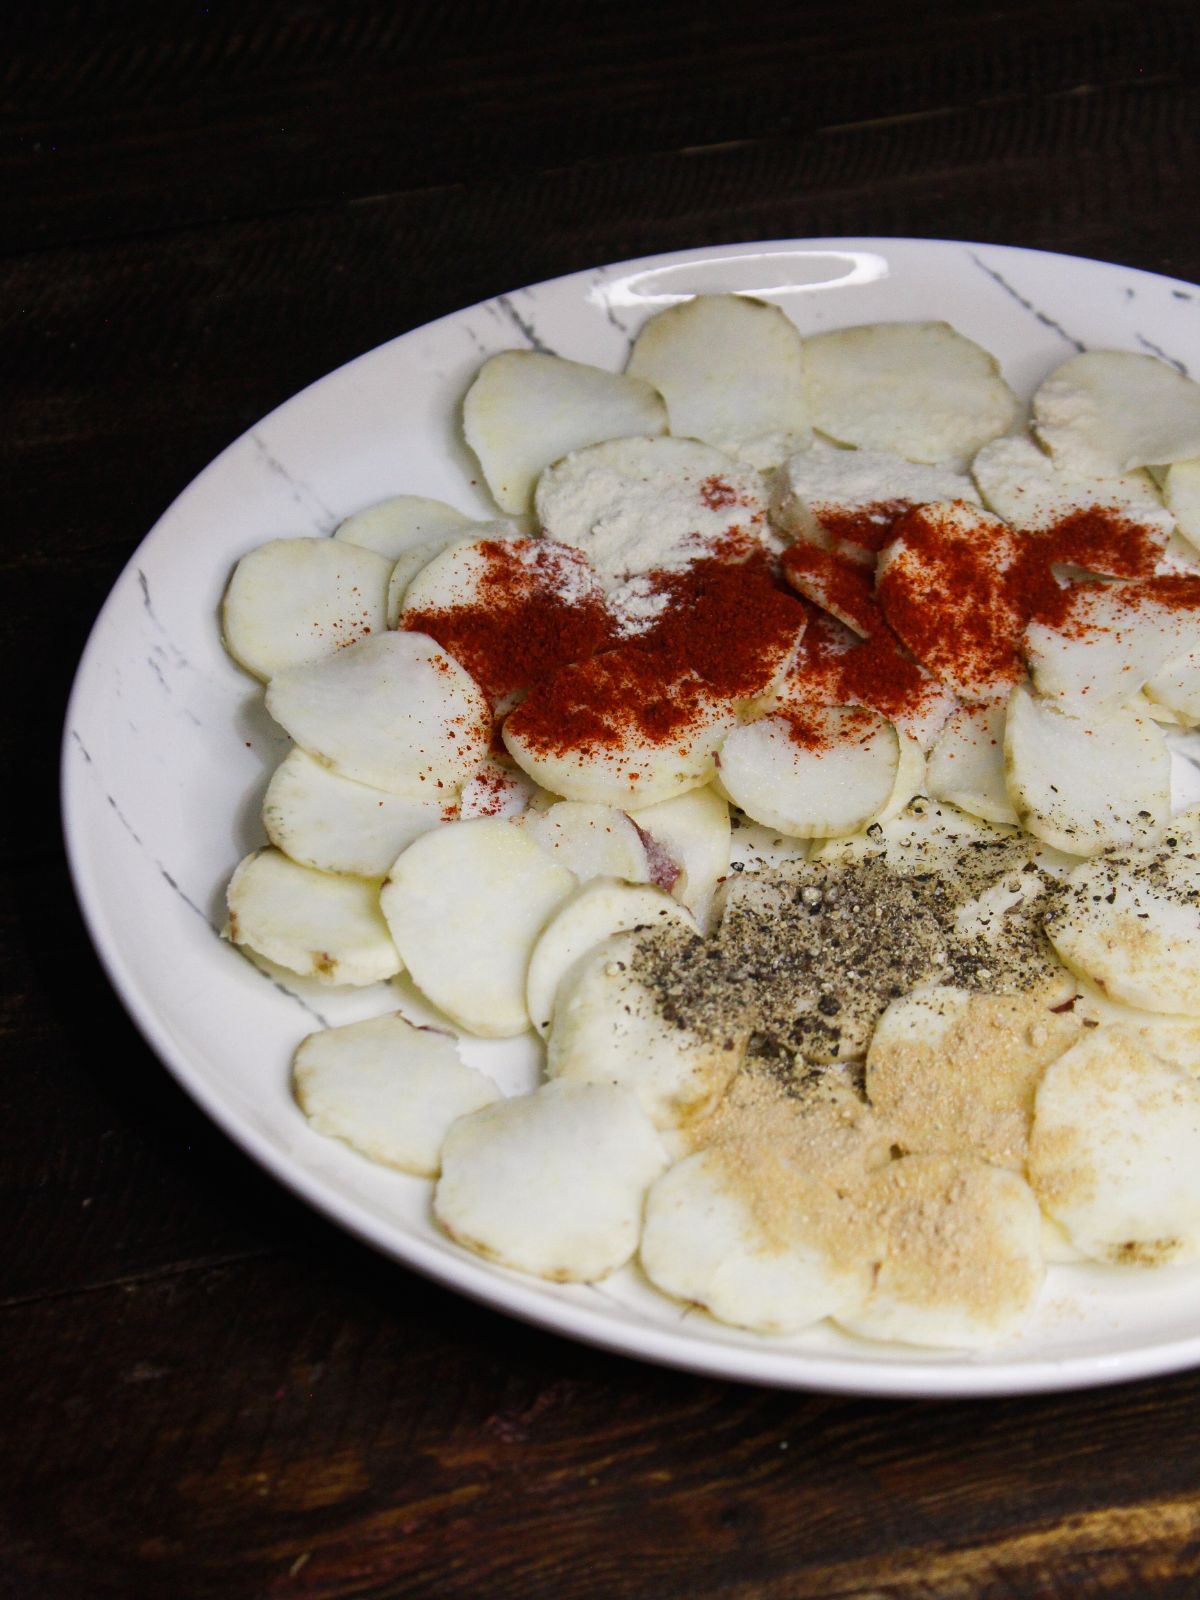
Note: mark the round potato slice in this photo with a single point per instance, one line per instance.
(296, 600)
(326, 821)
(409, 566)
(1175, 687)
(395, 712)
(1031, 490)
(1112, 639)
(648, 505)
(966, 764)
(389, 1089)
(498, 789)
(313, 923)
(1105, 412)
(467, 904)
(1181, 491)
(919, 389)
(731, 369)
(1085, 784)
(1131, 923)
(693, 835)
(1171, 1038)
(831, 770)
(962, 1256)
(1115, 1152)
(955, 1072)
(770, 1249)
(593, 841)
(593, 913)
(527, 409)
(551, 1183)
(392, 527)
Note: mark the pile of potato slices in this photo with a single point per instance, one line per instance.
(873, 983)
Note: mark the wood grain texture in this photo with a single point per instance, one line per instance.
(209, 1392)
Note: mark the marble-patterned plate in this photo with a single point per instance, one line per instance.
(167, 751)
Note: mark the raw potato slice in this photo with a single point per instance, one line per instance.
(608, 1027)
(966, 765)
(1030, 490)
(551, 1182)
(919, 389)
(955, 1072)
(910, 776)
(465, 906)
(1114, 637)
(731, 369)
(924, 837)
(312, 923)
(392, 527)
(1085, 785)
(388, 1088)
(828, 771)
(1171, 1038)
(408, 567)
(594, 913)
(843, 587)
(395, 712)
(296, 600)
(498, 789)
(592, 841)
(753, 1254)
(848, 500)
(527, 409)
(1175, 687)
(1131, 924)
(1181, 491)
(693, 833)
(326, 821)
(641, 505)
(1106, 412)
(1115, 1152)
(962, 1260)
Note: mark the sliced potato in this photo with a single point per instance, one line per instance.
(326, 821)
(1085, 784)
(1131, 923)
(292, 601)
(641, 505)
(465, 906)
(388, 1088)
(752, 1251)
(1175, 687)
(595, 911)
(966, 765)
(1031, 490)
(498, 789)
(1106, 412)
(1112, 639)
(527, 409)
(1171, 1038)
(731, 369)
(1115, 1152)
(1181, 491)
(919, 389)
(396, 712)
(313, 923)
(688, 842)
(392, 527)
(843, 587)
(830, 771)
(593, 841)
(552, 1182)
(408, 567)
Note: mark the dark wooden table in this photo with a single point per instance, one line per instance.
(205, 1390)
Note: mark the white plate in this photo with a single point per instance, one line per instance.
(167, 751)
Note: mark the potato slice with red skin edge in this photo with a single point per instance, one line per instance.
(498, 789)
(1131, 924)
(608, 1027)
(847, 501)
(314, 923)
(919, 389)
(467, 904)
(593, 841)
(527, 409)
(395, 712)
(392, 527)
(842, 587)
(694, 832)
(1111, 639)
(1085, 784)
(323, 820)
(966, 764)
(388, 1088)
(731, 370)
(831, 770)
(1025, 486)
(551, 1183)
(962, 1259)
(941, 583)
(771, 1258)
(634, 506)
(1115, 1152)
(1105, 412)
(596, 910)
(292, 601)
